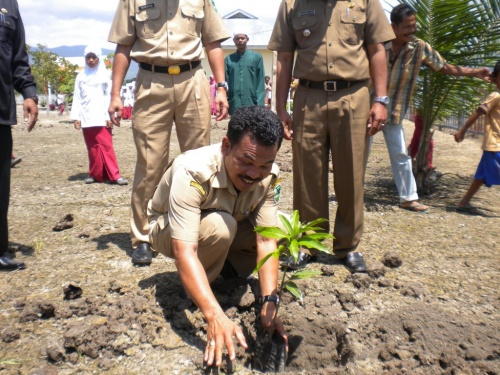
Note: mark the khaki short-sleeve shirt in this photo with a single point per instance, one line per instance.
(491, 105)
(197, 181)
(330, 36)
(166, 32)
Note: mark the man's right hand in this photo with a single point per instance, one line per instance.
(286, 120)
(115, 110)
(221, 331)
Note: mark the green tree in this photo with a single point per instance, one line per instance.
(48, 68)
(466, 33)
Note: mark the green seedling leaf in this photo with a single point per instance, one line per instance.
(316, 222)
(318, 236)
(259, 265)
(314, 245)
(271, 232)
(294, 290)
(294, 249)
(305, 274)
(295, 220)
(286, 223)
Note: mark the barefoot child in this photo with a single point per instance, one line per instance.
(488, 170)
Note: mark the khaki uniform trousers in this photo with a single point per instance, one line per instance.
(162, 99)
(333, 122)
(221, 237)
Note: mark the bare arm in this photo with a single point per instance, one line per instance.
(460, 134)
(378, 72)
(121, 62)
(268, 278)
(283, 77)
(220, 328)
(216, 60)
(462, 71)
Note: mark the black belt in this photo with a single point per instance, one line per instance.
(328, 85)
(172, 69)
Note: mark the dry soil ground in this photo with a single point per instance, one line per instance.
(437, 313)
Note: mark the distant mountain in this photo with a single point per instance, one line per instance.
(72, 51)
(77, 51)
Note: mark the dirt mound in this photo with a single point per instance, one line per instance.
(427, 305)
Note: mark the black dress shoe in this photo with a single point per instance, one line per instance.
(354, 262)
(302, 261)
(7, 264)
(142, 255)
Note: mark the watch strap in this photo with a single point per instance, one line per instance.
(271, 298)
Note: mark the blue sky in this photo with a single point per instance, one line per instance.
(57, 23)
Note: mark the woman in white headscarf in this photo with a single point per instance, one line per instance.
(90, 112)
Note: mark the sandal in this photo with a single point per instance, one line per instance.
(468, 209)
(414, 206)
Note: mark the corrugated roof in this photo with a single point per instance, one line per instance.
(243, 22)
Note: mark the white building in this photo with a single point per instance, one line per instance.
(259, 33)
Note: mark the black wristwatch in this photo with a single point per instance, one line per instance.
(223, 84)
(34, 98)
(264, 299)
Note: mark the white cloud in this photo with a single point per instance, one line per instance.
(57, 23)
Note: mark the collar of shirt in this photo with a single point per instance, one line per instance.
(221, 179)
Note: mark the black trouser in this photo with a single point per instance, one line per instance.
(5, 156)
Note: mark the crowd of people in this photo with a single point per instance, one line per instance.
(201, 208)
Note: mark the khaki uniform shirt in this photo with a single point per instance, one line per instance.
(197, 181)
(330, 36)
(491, 105)
(164, 32)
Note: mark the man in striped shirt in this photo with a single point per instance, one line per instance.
(405, 56)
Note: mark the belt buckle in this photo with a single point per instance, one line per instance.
(174, 69)
(330, 85)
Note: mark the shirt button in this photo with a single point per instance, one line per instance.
(330, 23)
(303, 23)
(329, 4)
(330, 44)
(171, 33)
(331, 66)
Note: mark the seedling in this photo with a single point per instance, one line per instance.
(294, 236)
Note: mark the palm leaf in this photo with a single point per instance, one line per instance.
(466, 33)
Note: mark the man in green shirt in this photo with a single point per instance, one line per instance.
(244, 76)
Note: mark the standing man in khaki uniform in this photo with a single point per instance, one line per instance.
(339, 46)
(203, 215)
(166, 38)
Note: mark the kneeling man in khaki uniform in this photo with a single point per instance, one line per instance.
(204, 211)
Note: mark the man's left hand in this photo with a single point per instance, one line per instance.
(30, 110)
(266, 317)
(377, 119)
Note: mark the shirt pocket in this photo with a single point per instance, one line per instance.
(148, 22)
(306, 33)
(192, 16)
(352, 26)
(7, 29)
